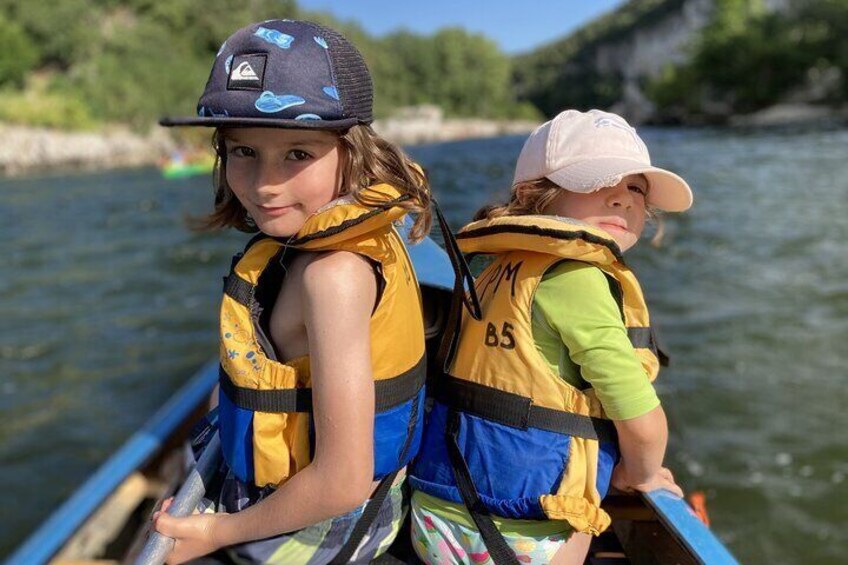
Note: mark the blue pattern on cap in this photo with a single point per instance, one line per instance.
(332, 92)
(271, 103)
(295, 79)
(274, 37)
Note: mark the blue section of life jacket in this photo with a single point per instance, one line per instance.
(392, 449)
(511, 468)
(235, 426)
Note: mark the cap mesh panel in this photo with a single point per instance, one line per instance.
(353, 81)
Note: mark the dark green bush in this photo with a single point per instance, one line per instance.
(18, 54)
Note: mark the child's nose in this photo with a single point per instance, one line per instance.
(620, 196)
(268, 177)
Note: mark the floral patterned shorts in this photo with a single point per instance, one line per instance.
(439, 541)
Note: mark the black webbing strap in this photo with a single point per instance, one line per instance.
(274, 400)
(238, 289)
(499, 550)
(397, 390)
(646, 338)
(388, 393)
(411, 424)
(460, 296)
(369, 513)
(518, 411)
(642, 338)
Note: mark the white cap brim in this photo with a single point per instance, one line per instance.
(666, 191)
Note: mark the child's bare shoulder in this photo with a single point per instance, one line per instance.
(337, 273)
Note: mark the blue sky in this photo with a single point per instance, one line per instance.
(516, 26)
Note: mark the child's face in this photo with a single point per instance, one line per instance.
(618, 210)
(282, 176)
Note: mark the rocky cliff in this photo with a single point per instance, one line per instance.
(609, 63)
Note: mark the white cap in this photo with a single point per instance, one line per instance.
(587, 151)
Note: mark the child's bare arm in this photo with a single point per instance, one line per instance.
(339, 295)
(642, 441)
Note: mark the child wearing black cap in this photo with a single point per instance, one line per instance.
(322, 343)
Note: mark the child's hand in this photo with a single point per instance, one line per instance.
(194, 535)
(661, 479)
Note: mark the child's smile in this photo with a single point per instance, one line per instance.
(282, 176)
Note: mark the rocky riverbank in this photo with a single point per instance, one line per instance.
(427, 124)
(26, 150)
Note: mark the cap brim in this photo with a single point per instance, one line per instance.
(667, 191)
(232, 122)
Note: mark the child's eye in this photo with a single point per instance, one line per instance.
(298, 155)
(242, 151)
(639, 189)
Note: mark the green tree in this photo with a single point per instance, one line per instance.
(141, 73)
(18, 54)
(64, 31)
(475, 74)
(748, 59)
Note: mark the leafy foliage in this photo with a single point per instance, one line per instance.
(748, 59)
(19, 53)
(132, 61)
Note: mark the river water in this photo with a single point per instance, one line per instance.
(108, 305)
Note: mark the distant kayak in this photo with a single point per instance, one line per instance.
(178, 169)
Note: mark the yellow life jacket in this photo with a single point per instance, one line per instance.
(535, 446)
(265, 403)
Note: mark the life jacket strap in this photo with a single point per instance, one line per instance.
(238, 289)
(378, 208)
(646, 338)
(389, 393)
(518, 411)
(363, 524)
(499, 550)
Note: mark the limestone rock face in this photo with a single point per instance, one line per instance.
(635, 54)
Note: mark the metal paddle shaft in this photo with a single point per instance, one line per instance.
(186, 500)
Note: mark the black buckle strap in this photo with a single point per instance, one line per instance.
(518, 411)
(389, 393)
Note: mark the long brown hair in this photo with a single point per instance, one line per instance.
(525, 198)
(368, 159)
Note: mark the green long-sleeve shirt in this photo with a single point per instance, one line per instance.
(578, 329)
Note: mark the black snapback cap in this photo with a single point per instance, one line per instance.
(285, 74)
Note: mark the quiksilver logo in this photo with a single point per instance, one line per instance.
(244, 72)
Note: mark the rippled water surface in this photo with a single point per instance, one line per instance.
(108, 305)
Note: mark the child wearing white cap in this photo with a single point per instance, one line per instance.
(548, 397)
